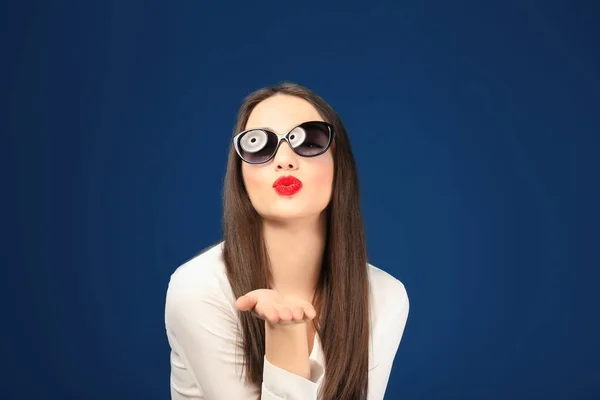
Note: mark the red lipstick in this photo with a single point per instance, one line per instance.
(287, 185)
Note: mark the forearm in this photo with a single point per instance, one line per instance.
(287, 348)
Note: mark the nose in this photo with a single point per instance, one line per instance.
(285, 159)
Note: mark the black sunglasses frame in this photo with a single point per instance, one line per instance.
(283, 137)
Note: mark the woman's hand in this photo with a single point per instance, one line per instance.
(286, 339)
(270, 306)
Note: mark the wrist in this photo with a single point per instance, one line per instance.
(289, 328)
(286, 347)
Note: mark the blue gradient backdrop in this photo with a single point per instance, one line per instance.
(475, 128)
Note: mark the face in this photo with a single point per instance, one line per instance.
(281, 113)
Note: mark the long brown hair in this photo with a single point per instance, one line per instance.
(342, 296)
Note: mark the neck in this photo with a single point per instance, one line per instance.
(295, 251)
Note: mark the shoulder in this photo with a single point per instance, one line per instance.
(389, 297)
(389, 314)
(207, 267)
(199, 281)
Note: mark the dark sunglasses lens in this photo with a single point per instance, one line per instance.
(310, 139)
(257, 146)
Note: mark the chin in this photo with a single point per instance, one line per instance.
(287, 215)
(283, 214)
(290, 208)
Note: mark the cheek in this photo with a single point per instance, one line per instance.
(254, 180)
(322, 176)
(250, 178)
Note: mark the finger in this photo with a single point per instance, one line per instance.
(309, 311)
(245, 303)
(297, 313)
(285, 314)
(269, 313)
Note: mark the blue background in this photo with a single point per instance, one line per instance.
(475, 128)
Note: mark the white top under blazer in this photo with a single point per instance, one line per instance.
(206, 358)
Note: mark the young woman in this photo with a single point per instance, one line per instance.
(286, 306)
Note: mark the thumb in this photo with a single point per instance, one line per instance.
(246, 302)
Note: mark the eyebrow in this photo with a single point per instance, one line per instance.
(273, 130)
(261, 128)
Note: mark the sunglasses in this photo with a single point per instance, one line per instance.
(259, 145)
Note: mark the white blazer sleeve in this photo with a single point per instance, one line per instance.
(388, 340)
(281, 384)
(206, 360)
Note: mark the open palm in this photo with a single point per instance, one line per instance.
(270, 306)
